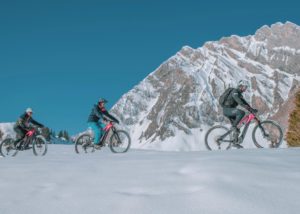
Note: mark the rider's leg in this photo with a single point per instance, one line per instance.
(239, 116)
(96, 130)
(236, 115)
(101, 125)
(20, 134)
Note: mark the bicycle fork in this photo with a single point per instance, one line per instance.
(267, 136)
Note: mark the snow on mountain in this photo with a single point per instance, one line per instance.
(7, 130)
(248, 181)
(177, 102)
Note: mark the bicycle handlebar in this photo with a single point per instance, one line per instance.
(110, 121)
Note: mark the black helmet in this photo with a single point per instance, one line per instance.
(102, 100)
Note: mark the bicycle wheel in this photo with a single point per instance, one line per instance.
(7, 148)
(267, 134)
(212, 136)
(84, 144)
(39, 146)
(119, 141)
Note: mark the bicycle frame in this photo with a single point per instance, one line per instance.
(246, 120)
(27, 140)
(106, 129)
(117, 140)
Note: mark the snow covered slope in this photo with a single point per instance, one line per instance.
(172, 108)
(7, 130)
(146, 182)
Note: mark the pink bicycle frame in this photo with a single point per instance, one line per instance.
(108, 127)
(247, 119)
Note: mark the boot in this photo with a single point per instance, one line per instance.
(235, 134)
(17, 144)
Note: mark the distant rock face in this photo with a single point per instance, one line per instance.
(182, 94)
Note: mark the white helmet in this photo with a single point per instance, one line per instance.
(29, 110)
(244, 83)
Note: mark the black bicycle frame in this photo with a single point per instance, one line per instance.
(26, 141)
(244, 132)
(102, 140)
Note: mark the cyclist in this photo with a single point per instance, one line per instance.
(23, 125)
(95, 120)
(230, 110)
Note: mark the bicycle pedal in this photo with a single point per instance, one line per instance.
(237, 145)
(98, 147)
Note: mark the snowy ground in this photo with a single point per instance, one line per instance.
(142, 182)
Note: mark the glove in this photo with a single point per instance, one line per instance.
(30, 133)
(253, 110)
(117, 121)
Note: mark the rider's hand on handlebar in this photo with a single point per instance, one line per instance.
(30, 133)
(253, 110)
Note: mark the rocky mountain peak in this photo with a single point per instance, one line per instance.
(180, 98)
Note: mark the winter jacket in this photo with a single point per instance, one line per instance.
(24, 122)
(98, 114)
(235, 98)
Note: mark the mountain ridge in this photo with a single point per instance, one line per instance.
(182, 93)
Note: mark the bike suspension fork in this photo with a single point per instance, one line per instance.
(262, 129)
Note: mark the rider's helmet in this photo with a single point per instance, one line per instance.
(243, 85)
(29, 111)
(102, 100)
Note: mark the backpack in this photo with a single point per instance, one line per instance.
(224, 96)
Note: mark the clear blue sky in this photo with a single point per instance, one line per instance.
(60, 56)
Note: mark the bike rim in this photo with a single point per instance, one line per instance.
(120, 142)
(7, 148)
(269, 137)
(39, 146)
(212, 137)
(84, 144)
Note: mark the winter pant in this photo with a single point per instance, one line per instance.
(97, 129)
(20, 133)
(235, 115)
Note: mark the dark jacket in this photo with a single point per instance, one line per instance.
(98, 114)
(24, 122)
(236, 98)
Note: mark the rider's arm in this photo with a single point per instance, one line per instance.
(34, 122)
(105, 113)
(241, 101)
